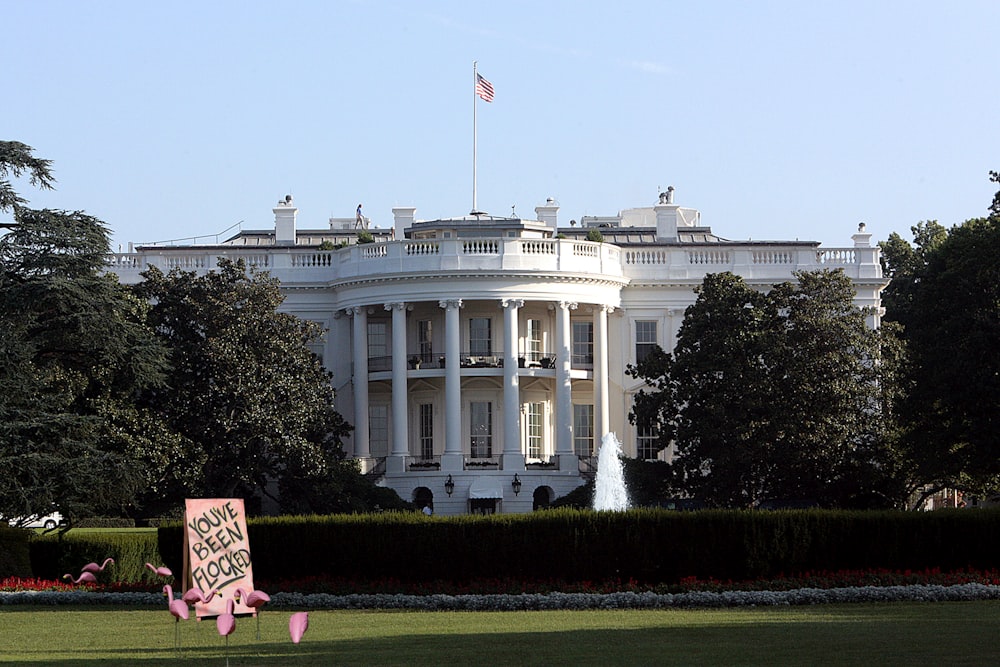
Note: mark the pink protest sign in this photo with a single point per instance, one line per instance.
(217, 552)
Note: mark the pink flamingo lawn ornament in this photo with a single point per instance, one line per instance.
(193, 595)
(85, 578)
(95, 568)
(254, 599)
(225, 623)
(297, 625)
(161, 571)
(179, 610)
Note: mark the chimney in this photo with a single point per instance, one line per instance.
(548, 214)
(666, 216)
(403, 219)
(862, 239)
(284, 221)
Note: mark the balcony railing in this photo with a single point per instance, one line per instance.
(436, 360)
(482, 464)
(423, 463)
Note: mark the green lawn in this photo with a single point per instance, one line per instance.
(885, 634)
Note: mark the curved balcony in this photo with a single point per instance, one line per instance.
(431, 256)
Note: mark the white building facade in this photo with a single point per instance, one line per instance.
(481, 359)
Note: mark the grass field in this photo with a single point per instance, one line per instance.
(885, 634)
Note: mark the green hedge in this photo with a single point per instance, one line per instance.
(52, 556)
(651, 546)
(655, 546)
(14, 558)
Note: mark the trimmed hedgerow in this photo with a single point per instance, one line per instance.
(645, 546)
(55, 555)
(649, 546)
(14, 558)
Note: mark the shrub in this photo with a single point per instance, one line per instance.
(14, 556)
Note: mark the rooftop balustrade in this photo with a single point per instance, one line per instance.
(545, 256)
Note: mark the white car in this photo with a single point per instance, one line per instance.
(48, 521)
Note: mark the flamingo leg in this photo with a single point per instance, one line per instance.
(177, 634)
(258, 625)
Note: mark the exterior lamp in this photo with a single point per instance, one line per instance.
(449, 486)
(516, 484)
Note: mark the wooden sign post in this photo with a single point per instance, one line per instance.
(217, 553)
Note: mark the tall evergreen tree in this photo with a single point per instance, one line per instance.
(74, 353)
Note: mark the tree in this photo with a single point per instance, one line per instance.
(248, 398)
(952, 331)
(903, 263)
(772, 396)
(16, 159)
(74, 353)
(945, 296)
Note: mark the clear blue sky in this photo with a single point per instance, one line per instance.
(778, 120)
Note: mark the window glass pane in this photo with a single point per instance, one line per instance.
(378, 340)
(646, 443)
(480, 342)
(583, 343)
(425, 340)
(378, 429)
(645, 338)
(426, 430)
(583, 429)
(481, 429)
(534, 351)
(534, 428)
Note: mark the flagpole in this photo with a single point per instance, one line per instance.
(474, 133)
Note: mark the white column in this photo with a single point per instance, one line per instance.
(564, 386)
(452, 458)
(400, 439)
(602, 419)
(360, 353)
(513, 457)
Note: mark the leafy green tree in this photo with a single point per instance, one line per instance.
(773, 396)
(953, 331)
(74, 352)
(248, 398)
(902, 263)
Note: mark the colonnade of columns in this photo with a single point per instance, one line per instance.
(453, 457)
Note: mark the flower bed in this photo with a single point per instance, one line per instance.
(499, 595)
(548, 601)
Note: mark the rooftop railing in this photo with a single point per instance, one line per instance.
(440, 256)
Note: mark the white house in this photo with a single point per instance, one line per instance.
(482, 358)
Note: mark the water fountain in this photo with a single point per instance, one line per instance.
(609, 488)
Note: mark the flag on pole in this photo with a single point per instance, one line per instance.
(484, 88)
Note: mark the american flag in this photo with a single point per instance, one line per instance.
(484, 88)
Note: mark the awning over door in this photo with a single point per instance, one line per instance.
(486, 487)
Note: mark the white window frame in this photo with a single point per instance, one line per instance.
(425, 434)
(583, 429)
(534, 427)
(646, 337)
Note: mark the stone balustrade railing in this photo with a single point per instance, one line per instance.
(415, 257)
